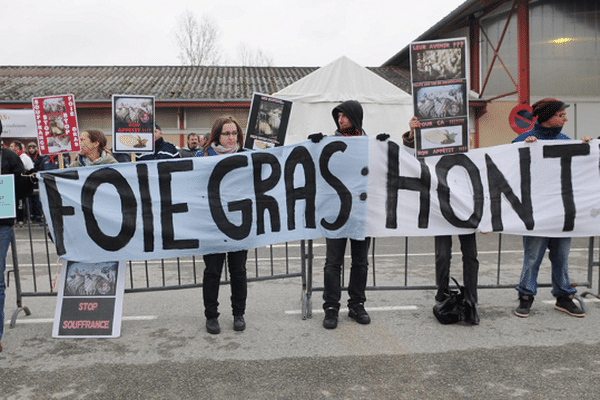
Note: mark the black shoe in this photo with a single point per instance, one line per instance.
(524, 306)
(212, 326)
(238, 323)
(359, 314)
(331, 318)
(566, 304)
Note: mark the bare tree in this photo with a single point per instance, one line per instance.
(253, 57)
(198, 42)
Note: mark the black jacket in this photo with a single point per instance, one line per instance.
(11, 164)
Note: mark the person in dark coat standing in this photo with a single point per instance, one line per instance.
(348, 117)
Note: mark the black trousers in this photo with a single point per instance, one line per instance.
(236, 262)
(443, 254)
(334, 259)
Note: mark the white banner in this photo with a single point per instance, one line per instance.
(18, 123)
(340, 187)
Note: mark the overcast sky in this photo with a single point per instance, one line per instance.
(292, 32)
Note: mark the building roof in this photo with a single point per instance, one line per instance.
(19, 84)
(457, 19)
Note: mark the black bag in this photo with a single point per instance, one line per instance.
(24, 185)
(459, 306)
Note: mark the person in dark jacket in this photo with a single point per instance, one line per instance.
(163, 150)
(348, 117)
(443, 247)
(551, 116)
(10, 163)
(226, 138)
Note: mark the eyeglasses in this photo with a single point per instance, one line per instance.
(234, 133)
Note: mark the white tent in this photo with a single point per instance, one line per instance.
(386, 107)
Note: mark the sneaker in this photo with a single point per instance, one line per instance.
(566, 304)
(238, 323)
(212, 326)
(524, 306)
(359, 314)
(331, 318)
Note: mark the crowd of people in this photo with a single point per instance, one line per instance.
(226, 137)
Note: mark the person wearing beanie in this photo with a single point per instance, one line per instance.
(162, 149)
(348, 118)
(551, 117)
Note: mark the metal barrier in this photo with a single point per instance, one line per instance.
(34, 278)
(513, 277)
(40, 278)
(591, 264)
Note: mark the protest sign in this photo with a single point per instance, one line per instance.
(440, 100)
(7, 196)
(337, 188)
(267, 122)
(18, 123)
(56, 122)
(90, 300)
(133, 124)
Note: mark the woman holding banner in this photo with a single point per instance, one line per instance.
(92, 143)
(226, 137)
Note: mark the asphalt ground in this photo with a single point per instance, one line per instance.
(164, 350)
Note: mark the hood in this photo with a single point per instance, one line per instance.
(352, 110)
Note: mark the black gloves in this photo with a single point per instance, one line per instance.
(316, 137)
(382, 137)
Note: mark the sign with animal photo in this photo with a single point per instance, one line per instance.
(267, 122)
(440, 100)
(56, 124)
(133, 124)
(90, 300)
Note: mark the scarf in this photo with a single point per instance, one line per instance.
(219, 149)
(350, 132)
(87, 163)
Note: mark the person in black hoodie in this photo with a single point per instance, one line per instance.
(10, 163)
(348, 118)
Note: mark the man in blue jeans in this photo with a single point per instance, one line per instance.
(551, 117)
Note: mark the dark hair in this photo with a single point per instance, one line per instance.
(192, 134)
(96, 135)
(18, 144)
(546, 108)
(215, 133)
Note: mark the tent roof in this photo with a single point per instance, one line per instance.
(341, 80)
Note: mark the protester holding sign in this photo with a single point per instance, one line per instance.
(551, 117)
(226, 137)
(443, 247)
(92, 152)
(10, 163)
(348, 117)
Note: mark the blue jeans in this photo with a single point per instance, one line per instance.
(6, 234)
(334, 259)
(535, 248)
